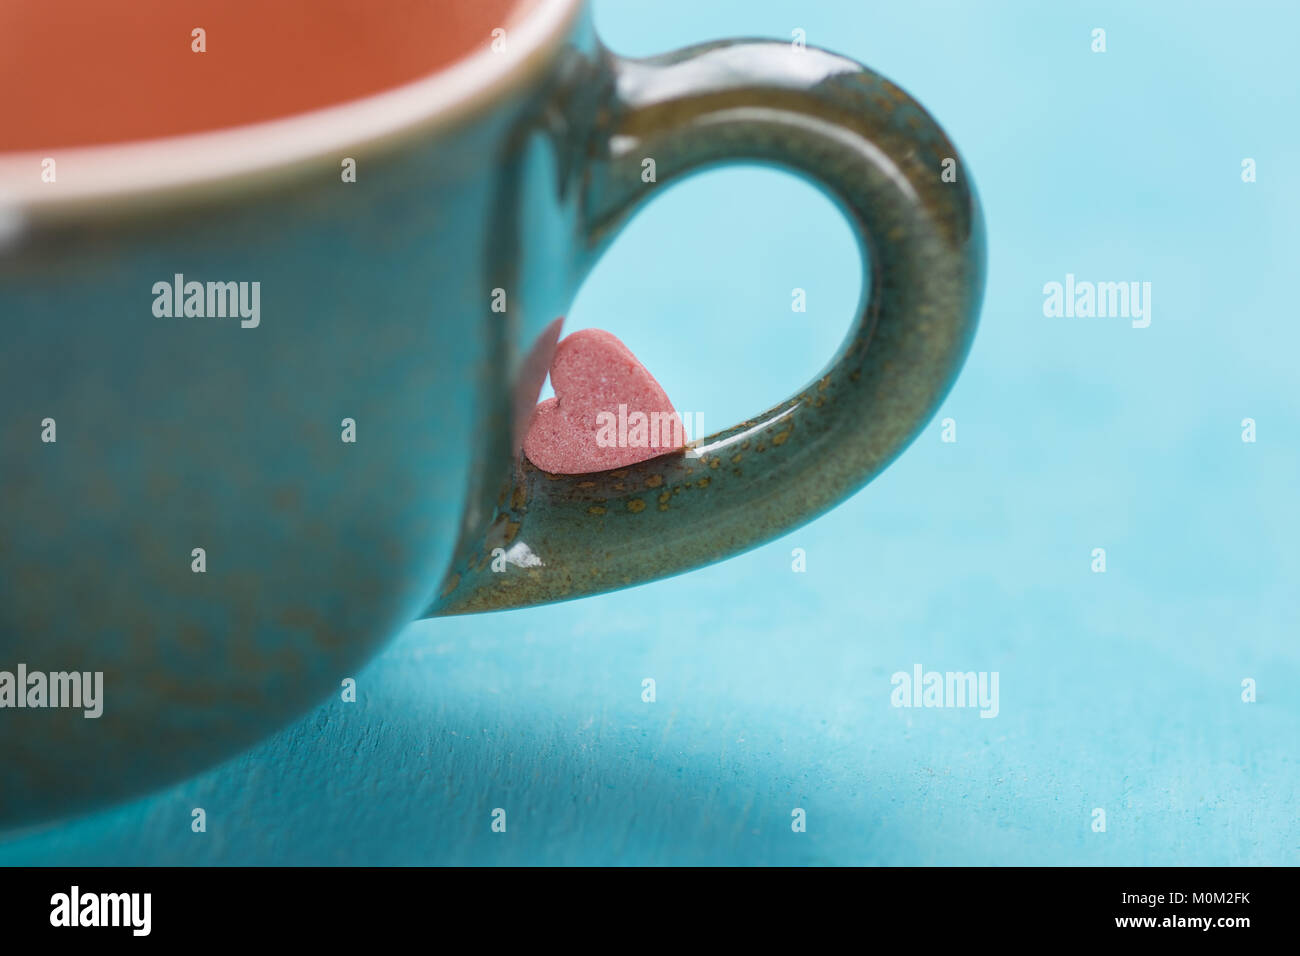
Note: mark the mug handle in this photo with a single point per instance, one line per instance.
(881, 157)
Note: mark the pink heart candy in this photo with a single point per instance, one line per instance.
(608, 410)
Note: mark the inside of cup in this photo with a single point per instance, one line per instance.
(93, 73)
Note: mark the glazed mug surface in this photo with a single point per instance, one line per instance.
(226, 504)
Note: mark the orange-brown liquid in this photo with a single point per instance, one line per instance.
(81, 72)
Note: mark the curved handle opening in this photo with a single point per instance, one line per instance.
(881, 159)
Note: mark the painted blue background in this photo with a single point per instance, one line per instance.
(1118, 690)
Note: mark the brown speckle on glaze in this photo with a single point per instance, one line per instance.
(874, 149)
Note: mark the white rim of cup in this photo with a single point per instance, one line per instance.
(112, 173)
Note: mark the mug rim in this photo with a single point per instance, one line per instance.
(111, 173)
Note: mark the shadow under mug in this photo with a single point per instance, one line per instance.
(226, 519)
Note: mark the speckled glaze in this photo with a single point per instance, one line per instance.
(376, 306)
(879, 155)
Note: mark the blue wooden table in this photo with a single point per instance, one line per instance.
(1119, 691)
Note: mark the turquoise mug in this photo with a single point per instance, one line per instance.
(211, 522)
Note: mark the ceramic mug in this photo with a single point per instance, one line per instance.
(225, 517)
